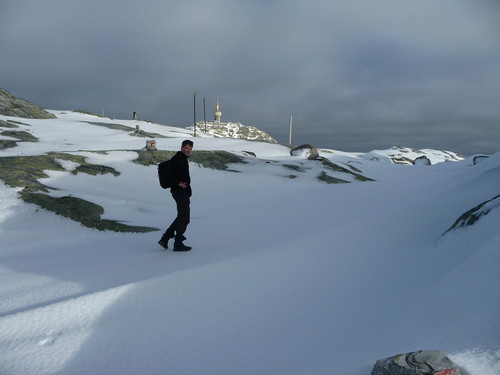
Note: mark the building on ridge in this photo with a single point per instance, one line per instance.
(217, 113)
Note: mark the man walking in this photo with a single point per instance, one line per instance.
(181, 192)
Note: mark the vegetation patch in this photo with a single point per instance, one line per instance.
(80, 210)
(21, 135)
(5, 124)
(131, 130)
(216, 159)
(337, 168)
(208, 159)
(95, 169)
(18, 122)
(293, 167)
(352, 168)
(6, 143)
(323, 176)
(88, 113)
(153, 157)
(24, 172)
(112, 126)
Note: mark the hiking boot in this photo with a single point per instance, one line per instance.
(163, 243)
(179, 246)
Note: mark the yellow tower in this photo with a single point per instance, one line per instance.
(217, 113)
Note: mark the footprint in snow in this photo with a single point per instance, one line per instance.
(50, 338)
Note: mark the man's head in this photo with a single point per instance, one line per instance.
(187, 147)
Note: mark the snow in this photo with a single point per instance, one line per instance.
(286, 276)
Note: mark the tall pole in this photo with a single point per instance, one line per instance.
(194, 113)
(290, 136)
(205, 114)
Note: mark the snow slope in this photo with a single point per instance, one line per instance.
(286, 276)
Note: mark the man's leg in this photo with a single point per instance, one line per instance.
(183, 217)
(183, 214)
(178, 221)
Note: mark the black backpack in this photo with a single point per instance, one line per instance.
(165, 174)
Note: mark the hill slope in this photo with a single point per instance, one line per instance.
(288, 275)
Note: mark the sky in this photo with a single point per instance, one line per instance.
(354, 75)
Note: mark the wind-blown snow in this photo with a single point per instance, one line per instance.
(286, 276)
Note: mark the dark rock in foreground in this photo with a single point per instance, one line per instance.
(424, 362)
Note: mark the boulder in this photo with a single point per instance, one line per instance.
(17, 107)
(305, 151)
(422, 160)
(424, 362)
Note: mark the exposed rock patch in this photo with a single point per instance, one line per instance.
(306, 151)
(424, 362)
(470, 217)
(422, 160)
(11, 105)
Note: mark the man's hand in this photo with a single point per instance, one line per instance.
(183, 185)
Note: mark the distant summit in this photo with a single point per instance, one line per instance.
(17, 107)
(408, 156)
(220, 129)
(234, 130)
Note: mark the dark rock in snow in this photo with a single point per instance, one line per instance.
(250, 153)
(307, 151)
(470, 217)
(422, 160)
(424, 362)
(479, 158)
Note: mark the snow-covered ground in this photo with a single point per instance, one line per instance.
(286, 276)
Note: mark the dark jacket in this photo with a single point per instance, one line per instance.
(180, 170)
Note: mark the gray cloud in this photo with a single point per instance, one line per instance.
(355, 76)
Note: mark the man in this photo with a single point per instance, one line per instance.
(181, 192)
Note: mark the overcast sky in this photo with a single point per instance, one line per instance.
(356, 75)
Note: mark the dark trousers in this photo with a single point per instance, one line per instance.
(179, 225)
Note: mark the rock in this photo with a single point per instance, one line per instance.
(17, 107)
(424, 362)
(473, 215)
(479, 158)
(306, 151)
(249, 153)
(422, 160)
(233, 130)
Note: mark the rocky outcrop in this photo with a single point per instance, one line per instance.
(305, 151)
(234, 130)
(473, 215)
(407, 156)
(422, 160)
(424, 362)
(17, 107)
(479, 158)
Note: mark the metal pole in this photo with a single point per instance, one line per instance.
(290, 137)
(205, 114)
(194, 114)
